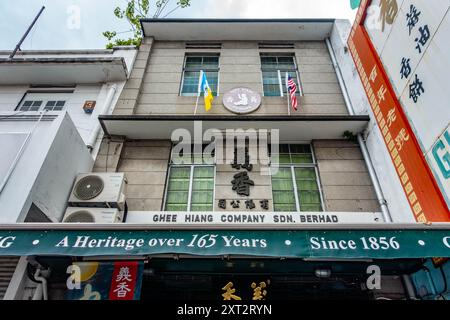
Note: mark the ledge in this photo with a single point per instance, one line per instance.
(61, 70)
(238, 29)
(291, 128)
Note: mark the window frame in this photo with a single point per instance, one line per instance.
(192, 167)
(279, 71)
(199, 54)
(292, 167)
(191, 182)
(47, 96)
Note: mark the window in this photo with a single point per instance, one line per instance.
(43, 102)
(30, 105)
(191, 73)
(190, 187)
(274, 70)
(54, 105)
(295, 186)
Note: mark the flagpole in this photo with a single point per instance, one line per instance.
(299, 82)
(288, 95)
(198, 91)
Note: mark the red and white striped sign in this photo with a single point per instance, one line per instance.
(292, 91)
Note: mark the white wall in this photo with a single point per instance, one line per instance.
(10, 96)
(49, 143)
(66, 158)
(57, 150)
(390, 183)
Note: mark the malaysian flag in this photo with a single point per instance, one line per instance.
(292, 87)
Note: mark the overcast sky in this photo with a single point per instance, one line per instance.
(58, 27)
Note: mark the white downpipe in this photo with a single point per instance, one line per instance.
(38, 292)
(106, 109)
(376, 183)
(43, 283)
(409, 286)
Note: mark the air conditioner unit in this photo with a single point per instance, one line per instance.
(99, 190)
(92, 215)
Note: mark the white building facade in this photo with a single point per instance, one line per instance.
(49, 129)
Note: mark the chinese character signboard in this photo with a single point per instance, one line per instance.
(403, 62)
(106, 281)
(258, 291)
(124, 278)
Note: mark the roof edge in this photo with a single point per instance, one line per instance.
(112, 59)
(63, 51)
(189, 20)
(229, 20)
(145, 117)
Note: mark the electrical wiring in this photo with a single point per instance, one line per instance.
(11, 115)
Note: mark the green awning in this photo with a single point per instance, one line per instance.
(330, 244)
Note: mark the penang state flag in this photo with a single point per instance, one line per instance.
(204, 87)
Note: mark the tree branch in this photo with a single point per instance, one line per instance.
(178, 6)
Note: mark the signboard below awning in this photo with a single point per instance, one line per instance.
(291, 128)
(248, 219)
(329, 244)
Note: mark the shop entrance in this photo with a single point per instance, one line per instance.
(268, 279)
(215, 278)
(185, 287)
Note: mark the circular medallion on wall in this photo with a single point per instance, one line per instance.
(242, 100)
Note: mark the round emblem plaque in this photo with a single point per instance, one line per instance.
(242, 100)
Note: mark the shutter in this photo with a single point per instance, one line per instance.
(7, 267)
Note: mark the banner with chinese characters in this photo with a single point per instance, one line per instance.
(333, 244)
(121, 280)
(393, 109)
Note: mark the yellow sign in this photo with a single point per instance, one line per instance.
(229, 294)
(259, 291)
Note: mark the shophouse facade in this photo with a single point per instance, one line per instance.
(323, 176)
(49, 130)
(216, 215)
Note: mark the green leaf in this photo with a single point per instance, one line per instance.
(184, 3)
(129, 11)
(118, 13)
(145, 5)
(109, 34)
(133, 12)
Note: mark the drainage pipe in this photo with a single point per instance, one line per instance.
(38, 292)
(43, 281)
(106, 109)
(376, 183)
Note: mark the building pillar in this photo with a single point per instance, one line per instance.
(109, 154)
(128, 99)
